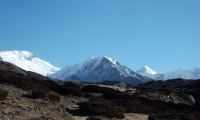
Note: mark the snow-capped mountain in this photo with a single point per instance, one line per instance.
(99, 69)
(146, 71)
(28, 61)
(181, 73)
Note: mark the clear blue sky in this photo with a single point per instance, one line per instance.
(162, 34)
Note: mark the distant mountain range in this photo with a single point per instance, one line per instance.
(180, 73)
(96, 69)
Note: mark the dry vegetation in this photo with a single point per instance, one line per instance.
(29, 96)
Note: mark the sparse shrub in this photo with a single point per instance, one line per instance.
(104, 108)
(69, 91)
(53, 97)
(3, 94)
(71, 84)
(98, 89)
(39, 94)
(42, 118)
(87, 95)
(116, 95)
(172, 116)
(93, 118)
(35, 81)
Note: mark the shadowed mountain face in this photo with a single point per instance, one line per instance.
(7, 67)
(8, 70)
(11, 74)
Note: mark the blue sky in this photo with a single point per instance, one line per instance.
(162, 34)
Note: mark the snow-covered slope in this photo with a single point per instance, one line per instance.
(146, 71)
(28, 61)
(99, 69)
(181, 73)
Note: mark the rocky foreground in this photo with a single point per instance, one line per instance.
(29, 96)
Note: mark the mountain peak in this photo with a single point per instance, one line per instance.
(17, 55)
(99, 60)
(28, 61)
(113, 61)
(18, 52)
(146, 71)
(98, 69)
(149, 70)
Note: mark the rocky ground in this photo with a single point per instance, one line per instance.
(18, 107)
(29, 96)
(128, 116)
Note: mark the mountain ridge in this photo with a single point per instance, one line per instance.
(174, 74)
(28, 61)
(98, 69)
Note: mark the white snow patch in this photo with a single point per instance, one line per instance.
(150, 71)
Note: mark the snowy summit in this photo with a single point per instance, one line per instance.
(146, 71)
(99, 69)
(28, 61)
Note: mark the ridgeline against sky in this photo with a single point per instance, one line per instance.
(164, 35)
